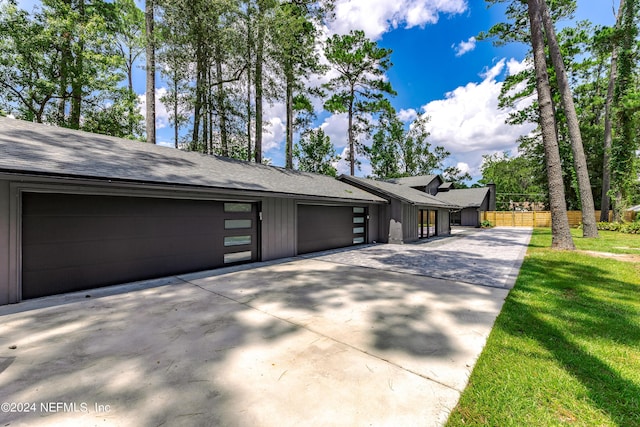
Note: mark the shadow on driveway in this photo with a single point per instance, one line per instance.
(301, 342)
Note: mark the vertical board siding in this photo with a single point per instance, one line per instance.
(532, 219)
(394, 226)
(409, 222)
(278, 228)
(443, 222)
(372, 226)
(4, 243)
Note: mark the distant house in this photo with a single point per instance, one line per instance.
(473, 201)
(425, 183)
(410, 215)
(469, 202)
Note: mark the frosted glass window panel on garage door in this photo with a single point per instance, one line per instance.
(237, 257)
(237, 207)
(237, 240)
(233, 224)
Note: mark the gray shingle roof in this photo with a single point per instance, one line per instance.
(414, 181)
(33, 148)
(464, 197)
(398, 191)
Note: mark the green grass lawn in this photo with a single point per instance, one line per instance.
(565, 349)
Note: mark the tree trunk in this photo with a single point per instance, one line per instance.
(352, 157)
(197, 106)
(78, 74)
(589, 226)
(608, 127)
(561, 233)
(151, 72)
(258, 83)
(249, 82)
(65, 60)
(132, 94)
(175, 109)
(623, 153)
(222, 114)
(289, 102)
(206, 106)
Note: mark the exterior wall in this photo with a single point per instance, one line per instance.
(405, 230)
(384, 218)
(279, 228)
(394, 224)
(470, 217)
(373, 226)
(485, 204)
(444, 226)
(492, 197)
(409, 223)
(4, 243)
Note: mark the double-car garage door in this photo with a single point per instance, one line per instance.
(329, 227)
(76, 242)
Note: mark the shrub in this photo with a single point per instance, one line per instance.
(622, 227)
(486, 224)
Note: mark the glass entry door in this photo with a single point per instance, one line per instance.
(427, 223)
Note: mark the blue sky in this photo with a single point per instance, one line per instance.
(456, 88)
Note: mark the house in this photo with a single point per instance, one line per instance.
(425, 183)
(410, 215)
(80, 211)
(472, 202)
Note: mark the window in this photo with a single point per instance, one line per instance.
(237, 207)
(358, 230)
(358, 210)
(358, 220)
(237, 257)
(237, 240)
(357, 240)
(231, 224)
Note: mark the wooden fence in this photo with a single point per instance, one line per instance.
(532, 219)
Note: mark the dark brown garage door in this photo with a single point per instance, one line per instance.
(78, 242)
(329, 227)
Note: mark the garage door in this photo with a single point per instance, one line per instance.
(329, 227)
(78, 242)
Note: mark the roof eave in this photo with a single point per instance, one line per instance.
(88, 179)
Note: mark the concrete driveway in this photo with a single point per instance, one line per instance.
(359, 337)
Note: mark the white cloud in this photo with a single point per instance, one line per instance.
(376, 17)
(514, 66)
(464, 46)
(275, 131)
(469, 123)
(463, 167)
(162, 114)
(407, 116)
(336, 126)
(344, 166)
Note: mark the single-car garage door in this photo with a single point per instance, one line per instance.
(77, 242)
(329, 227)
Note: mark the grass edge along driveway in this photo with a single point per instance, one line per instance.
(565, 350)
